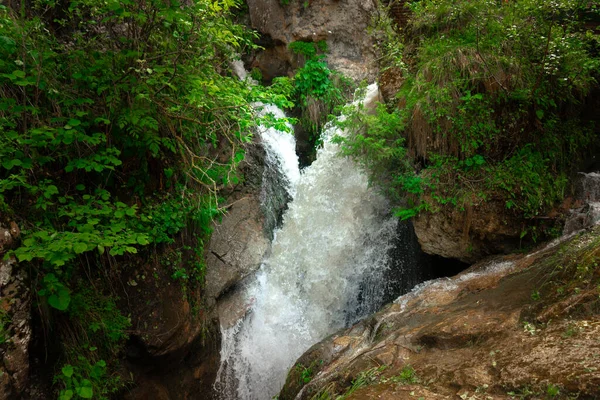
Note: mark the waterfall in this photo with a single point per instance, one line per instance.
(281, 173)
(325, 271)
(587, 196)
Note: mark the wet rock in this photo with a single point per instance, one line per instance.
(15, 319)
(471, 235)
(173, 349)
(237, 246)
(240, 240)
(233, 306)
(343, 24)
(482, 334)
(586, 212)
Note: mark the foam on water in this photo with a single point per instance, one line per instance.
(326, 263)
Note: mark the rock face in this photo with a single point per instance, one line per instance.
(175, 340)
(587, 203)
(240, 239)
(342, 23)
(173, 348)
(237, 246)
(15, 320)
(521, 326)
(468, 236)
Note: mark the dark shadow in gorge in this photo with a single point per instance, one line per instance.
(408, 266)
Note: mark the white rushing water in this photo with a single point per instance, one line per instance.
(280, 147)
(324, 272)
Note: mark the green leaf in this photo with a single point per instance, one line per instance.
(8, 164)
(29, 242)
(61, 299)
(539, 114)
(67, 370)
(86, 391)
(79, 248)
(50, 190)
(65, 395)
(131, 249)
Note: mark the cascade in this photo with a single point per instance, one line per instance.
(281, 173)
(326, 269)
(587, 194)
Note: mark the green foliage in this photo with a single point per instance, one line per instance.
(376, 140)
(99, 317)
(58, 295)
(86, 380)
(388, 43)
(317, 89)
(552, 390)
(120, 123)
(97, 333)
(574, 275)
(489, 106)
(256, 74)
(306, 373)
(309, 50)
(4, 325)
(371, 376)
(407, 376)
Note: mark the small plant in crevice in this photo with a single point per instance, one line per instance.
(552, 390)
(306, 373)
(371, 376)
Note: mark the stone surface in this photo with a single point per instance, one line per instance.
(240, 240)
(174, 347)
(586, 210)
(342, 23)
(479, 335)
(468, 235)
(237, 246)
(15, 319)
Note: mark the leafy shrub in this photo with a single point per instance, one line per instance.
(317, 89)
(120, 124)
(489, 106)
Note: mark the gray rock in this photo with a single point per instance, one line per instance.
(469, 235)
(237, 246)
(343, 24)
(587, 196)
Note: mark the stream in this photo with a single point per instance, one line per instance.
(325, 270)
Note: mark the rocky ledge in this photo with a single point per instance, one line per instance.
(519, 326)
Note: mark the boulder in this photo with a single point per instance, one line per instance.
(499, 330)
(469, 235)
(241, 238)
(342, 24)
(586, 210)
